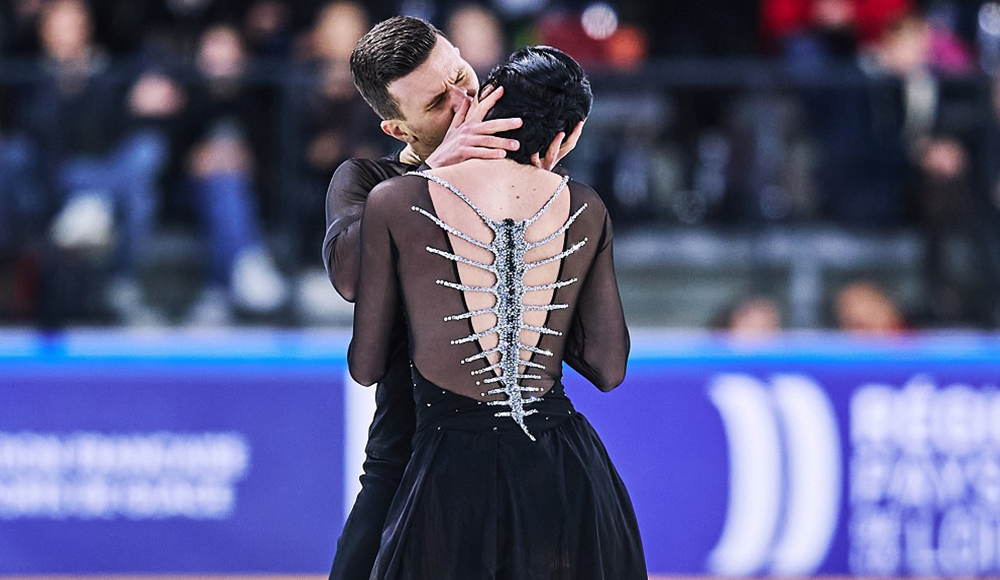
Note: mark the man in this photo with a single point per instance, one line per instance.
(418, 83)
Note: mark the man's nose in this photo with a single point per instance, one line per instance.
(458, 95)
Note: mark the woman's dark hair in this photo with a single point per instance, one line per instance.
(547, 89)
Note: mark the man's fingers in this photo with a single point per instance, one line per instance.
(484, 106)
(494, 142)
(574, 136)
(494, 126)
(556, 144)
(485, 153)
(461, 113)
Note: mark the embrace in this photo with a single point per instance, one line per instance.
(477, 271)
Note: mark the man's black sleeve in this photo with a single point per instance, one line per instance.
(345, 202)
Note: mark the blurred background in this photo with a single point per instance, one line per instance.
(772, 164)
(806, 199)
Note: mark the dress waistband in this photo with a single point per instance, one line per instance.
(439, 408)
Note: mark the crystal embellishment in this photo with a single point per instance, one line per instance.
(509, 268)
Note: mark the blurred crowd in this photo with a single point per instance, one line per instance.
(225, 119)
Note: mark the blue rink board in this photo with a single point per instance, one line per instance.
(224, 454)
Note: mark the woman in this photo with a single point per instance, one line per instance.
(504, 270)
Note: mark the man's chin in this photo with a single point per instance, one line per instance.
(425, 147)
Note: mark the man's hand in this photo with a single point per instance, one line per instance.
(469, 137)
(558, 148)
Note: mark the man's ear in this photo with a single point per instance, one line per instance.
(396, 129)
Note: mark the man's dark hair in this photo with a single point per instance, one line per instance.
(389, 51)
(547, 89)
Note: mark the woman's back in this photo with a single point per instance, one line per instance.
(505, 270)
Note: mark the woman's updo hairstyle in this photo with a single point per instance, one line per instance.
(547, 89)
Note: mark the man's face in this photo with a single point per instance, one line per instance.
(429, 96)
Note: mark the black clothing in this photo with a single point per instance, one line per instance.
(480, 501)
(495, 490)
(345, 203)
(388, 448)
(397, 268)
(75, 114)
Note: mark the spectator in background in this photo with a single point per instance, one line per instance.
(19, 26)
(336, 120)
(18, 187)
(862, 308)
(267, 26)
(227, 119)
(750, 318)
(478, 34)
(336, 123)
(103, 165)
(813, 32)
(916, 52)
(865, 131)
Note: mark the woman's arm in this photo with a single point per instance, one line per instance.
(598, 343)
(377, 306)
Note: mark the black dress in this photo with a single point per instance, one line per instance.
(506, 481)
(387, 451)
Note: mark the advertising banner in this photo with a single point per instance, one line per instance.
(814, 455)
(136, 456)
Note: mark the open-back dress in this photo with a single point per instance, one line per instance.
(507, 480)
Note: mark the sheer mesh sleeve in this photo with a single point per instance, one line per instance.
(598, 343)
(345, 202)
(409, 258)
(375, 313)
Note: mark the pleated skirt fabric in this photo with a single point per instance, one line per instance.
(481, 501)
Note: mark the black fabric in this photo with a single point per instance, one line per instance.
(345, 203)
(397, 268)
(480, 498)
(388, 447)
(480, 501)
(386, 456)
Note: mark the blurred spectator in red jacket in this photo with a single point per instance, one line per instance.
(835, 24)
(595, 37)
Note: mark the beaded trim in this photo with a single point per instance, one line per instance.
(509, 267)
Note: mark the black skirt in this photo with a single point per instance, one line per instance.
(481, 501)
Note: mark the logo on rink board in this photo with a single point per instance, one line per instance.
(139, 476)
(923, 477)
(925, 480)
(785, 475)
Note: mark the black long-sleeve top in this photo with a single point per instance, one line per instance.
(397, 265)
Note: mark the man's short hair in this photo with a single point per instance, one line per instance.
(547, 89)
(389, 51)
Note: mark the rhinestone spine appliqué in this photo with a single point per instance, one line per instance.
(509, 267)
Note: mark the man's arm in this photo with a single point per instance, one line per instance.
(345, 203)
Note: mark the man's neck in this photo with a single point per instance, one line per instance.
(409, 156)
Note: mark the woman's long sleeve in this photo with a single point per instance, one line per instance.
(377, 306)
(598, 342)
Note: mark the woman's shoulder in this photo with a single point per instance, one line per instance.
(398, 191)
(583, 193)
